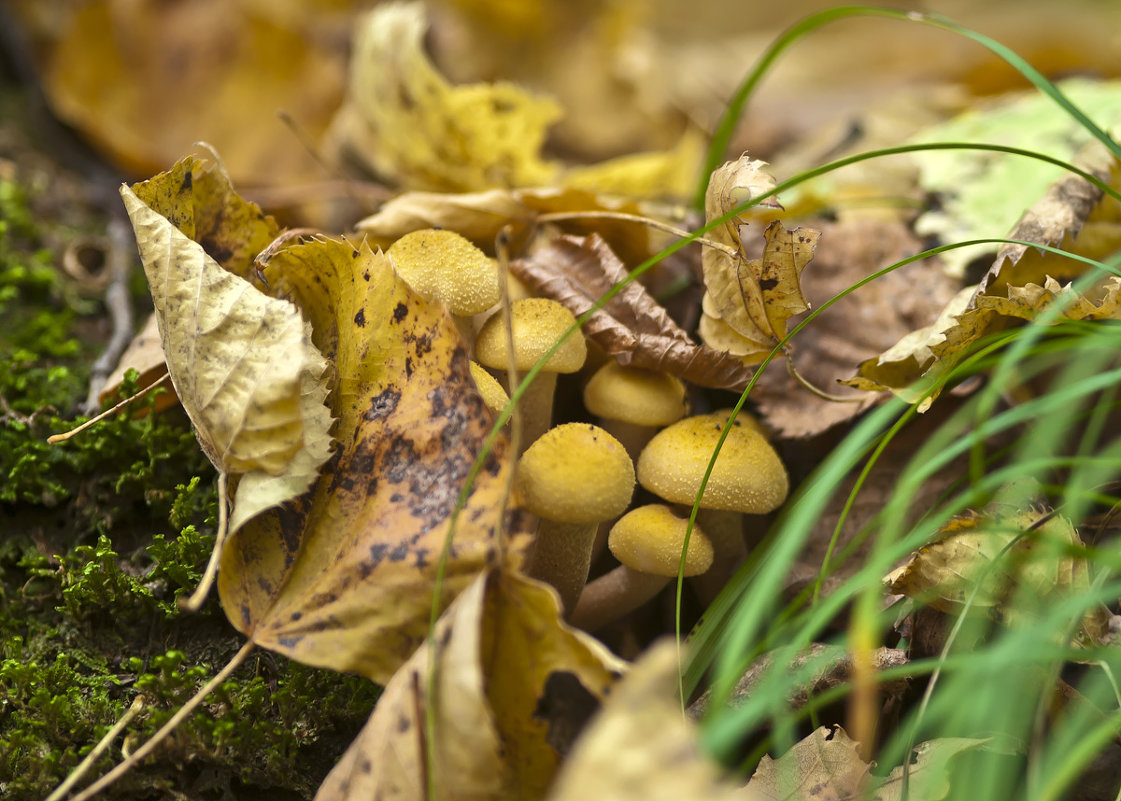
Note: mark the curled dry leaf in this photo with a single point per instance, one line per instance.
(1020, 283)
(242, 363)
(411, 126)
(639, 748)
(342, 577)
(632, 326)
(513, 686)
(1008, 564)
(749, 301)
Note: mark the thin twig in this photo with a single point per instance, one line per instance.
(198, 597)
(54, 439)
(821, 393)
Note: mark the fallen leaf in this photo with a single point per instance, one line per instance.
(990, 559)
(856, 328)
(242, 363)
(409, 125)
(513, 687)
(143, 80)
(145, 355)
(929, 775)
(632, 326)
(983, 193)
(639, 748)
(343, 576)
(825, 766)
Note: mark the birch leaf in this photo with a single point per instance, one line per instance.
(242, 363)
(513, 686)
(343, 576)
(825, 766)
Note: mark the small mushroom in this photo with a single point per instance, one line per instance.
(443, 266)
(748, 478)
(647, 541)
(634, 402)
(573, 477)
(537, 324)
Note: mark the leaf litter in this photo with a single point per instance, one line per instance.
(349, 445)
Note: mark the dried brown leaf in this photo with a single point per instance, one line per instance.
(632, 326)
(825, 766)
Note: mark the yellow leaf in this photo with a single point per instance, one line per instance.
(824, 765)
(512, 684)
(242, 363)
(658, 174)
(343, 577)
(413, 127)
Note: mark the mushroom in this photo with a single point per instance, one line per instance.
(445, 267)
(573, 477)
(748, 478)
(634, 402)
(537, 324)
(648, 542)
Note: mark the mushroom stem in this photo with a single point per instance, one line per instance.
(561, 556)
(614, 594)
(633, 435)
(725, 532)
(536, 405)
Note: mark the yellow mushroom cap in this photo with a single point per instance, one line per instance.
(443, 266)
(634, 395)
(748, 476)
(494, 396)
(576, 473)
(649, 539)
(537, 324)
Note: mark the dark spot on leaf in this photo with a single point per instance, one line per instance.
(400, 553)
(366, 276)
(408, 367)
(360, 318)
(354, 254)
(565, 706)
(289, 642)
(383, 404)
(768, 283)
(400, 312)
(188, 182)
(296, 616)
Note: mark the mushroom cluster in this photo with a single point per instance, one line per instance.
(579, 477)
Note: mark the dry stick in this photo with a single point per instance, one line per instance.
(167, 728)
(98, 750)
(198, 597)
(635, 218)
(54, 439)
(120, 312)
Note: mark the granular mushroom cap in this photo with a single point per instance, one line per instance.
(634, 395)
(576, 473)
(649, 539)
(443, 266)
(537, 324)
(748, 475)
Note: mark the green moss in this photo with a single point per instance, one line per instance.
(101, 535)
